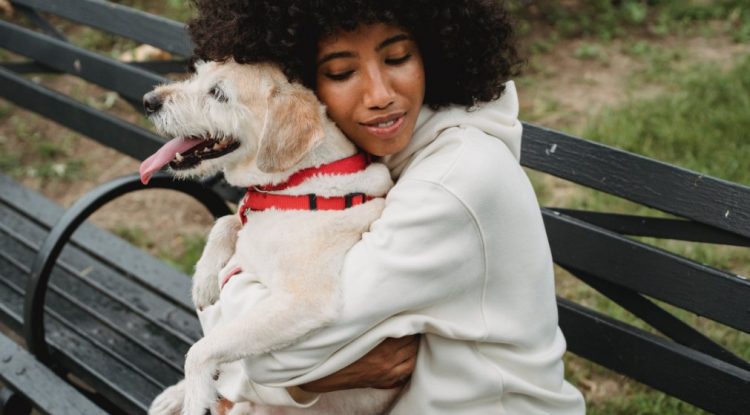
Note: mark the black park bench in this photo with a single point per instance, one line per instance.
(108, 325)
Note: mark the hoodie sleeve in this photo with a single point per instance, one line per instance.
(425, 248)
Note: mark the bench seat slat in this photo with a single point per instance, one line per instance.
(171, 285)
(90, 323)
(698, 288)
(50, 394)
(90, 313)
(104, 284)
(633, 177)
(87, 361)
(112, 298)
(109, 279)
(120, 20)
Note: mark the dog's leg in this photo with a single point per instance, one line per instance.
(219, 248)
(170, 401)
(278, 320)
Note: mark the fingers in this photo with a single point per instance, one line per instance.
(400, 374)
(388, 365)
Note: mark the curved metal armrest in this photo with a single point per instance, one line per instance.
(70, 221)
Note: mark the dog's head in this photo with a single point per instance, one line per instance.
(230, 117)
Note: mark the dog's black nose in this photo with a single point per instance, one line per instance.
(152, 102)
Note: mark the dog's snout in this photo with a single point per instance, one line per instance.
(152, 102)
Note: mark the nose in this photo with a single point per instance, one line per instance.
(152, 102)
(379, 93)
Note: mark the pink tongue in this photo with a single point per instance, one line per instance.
(164, 155)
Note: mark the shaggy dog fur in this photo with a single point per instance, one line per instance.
(257, 128)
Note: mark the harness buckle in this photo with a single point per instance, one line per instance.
(349, 199)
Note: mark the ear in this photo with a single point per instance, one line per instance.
(294, 127)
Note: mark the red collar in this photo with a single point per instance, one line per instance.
(256, 198)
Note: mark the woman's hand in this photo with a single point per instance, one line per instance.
(387, 366)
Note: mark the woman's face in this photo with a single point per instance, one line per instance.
(372, 81)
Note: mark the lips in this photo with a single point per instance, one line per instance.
(385, 126)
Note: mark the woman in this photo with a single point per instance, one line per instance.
(460, 253)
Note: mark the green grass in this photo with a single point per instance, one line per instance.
(183, 257)
(188, 255)
(607, 19)
(701, 124)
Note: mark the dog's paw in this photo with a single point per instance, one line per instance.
(205, 288)
(170, 401)
(199, 403)
(200, 390)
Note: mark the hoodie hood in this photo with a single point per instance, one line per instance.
(497, 118)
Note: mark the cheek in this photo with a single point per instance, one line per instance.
(416, 81)
(338, 103)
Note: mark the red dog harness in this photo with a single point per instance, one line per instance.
(257, 199)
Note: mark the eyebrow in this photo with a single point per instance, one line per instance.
(345, 54)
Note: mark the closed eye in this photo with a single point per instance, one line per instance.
(339, 76)
(398, 61)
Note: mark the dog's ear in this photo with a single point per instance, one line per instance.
(293, 128)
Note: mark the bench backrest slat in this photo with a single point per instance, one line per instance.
(679, 229)
(701, 289)
(107, 129)
(126, 80)
(671, 189)
(672, 368)
(42, 23)
(661, 320)
(113, 18)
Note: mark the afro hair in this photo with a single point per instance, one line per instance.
(468, 46)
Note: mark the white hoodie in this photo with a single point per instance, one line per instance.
(460, 254)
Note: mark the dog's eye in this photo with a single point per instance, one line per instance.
(218, 94)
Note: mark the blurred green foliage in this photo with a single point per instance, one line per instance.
(609, 19)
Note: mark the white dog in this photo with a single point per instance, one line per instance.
(265, 285)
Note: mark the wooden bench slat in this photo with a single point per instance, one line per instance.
(706, 291)
(171, 285)
(87, 361)
(50, 394)
(129, 81)
(677, 370)
(86, 324)
(652, 183)
(109, 130)
(160, 67)
(103, 280)
(679, 229)
(108, 289)
(661, 320)
(120, 20)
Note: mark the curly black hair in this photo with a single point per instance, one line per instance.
(468, 46)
